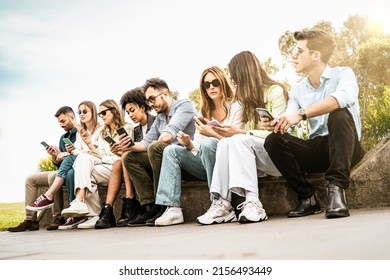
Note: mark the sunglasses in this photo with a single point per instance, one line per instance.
(104, 112)
(152, 98)
(207, 85)
(84, 112)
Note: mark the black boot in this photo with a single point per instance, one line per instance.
(337, 207)
(306, 207)
(147, 212)
(106, 217)
(130, 210)
(159, 210)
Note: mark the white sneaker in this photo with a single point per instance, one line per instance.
(72, 222)
(252, 212)
(217, 213)
(171, 216)
(90, 223)
(76, 209)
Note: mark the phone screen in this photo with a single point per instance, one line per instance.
(264, 113)
(45, 144)
(121, 131)
(67, 141)
(214, 123)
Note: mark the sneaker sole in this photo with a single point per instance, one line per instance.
(72, 226)
(229, 220)
(28, 207)
(74, 214)
(245, 220)
(176, 222)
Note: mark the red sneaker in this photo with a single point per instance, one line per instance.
(41, 203)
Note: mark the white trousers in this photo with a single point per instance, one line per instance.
(240, 160)
(89, 171)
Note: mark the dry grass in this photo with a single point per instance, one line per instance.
(11, 214)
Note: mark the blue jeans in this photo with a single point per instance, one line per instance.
(66, 172)
(176, 158)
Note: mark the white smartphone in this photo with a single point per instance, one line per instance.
(264, 113)
(214, 123)
(67, 141)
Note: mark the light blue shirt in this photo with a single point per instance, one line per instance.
(181, 118)
(338, 82)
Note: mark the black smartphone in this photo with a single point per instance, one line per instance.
(202, 120)
(109, 139)
(264, 113)
(121, 131)
(44, 144)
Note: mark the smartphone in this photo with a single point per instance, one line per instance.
(121, 131)
(67, 141)
(109, 139)
(45, 144)
(202, 120)
(264, 113)
(214, 123)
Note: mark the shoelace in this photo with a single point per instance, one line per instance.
(39, 200)
(215, 205)
(250, 203)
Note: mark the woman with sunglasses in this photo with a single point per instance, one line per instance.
(87, 136)
(241, 159)
(135, 105)
(95, 167)
(197, 157)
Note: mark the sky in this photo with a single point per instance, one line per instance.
(55, 53)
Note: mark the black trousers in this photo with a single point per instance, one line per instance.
(334, 154)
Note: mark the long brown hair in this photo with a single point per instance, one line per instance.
(252, 82)
(91, 106)
(207, 104)
(116, 111)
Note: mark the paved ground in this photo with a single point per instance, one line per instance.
(363, 236)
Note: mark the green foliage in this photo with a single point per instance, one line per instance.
(175, 94)
(46, 164)
(194, 96)
(377, 123)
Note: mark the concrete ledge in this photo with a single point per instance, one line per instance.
(369, 188)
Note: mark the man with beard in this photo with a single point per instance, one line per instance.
(143, 161)
(66, 118)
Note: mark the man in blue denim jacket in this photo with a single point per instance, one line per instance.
(328, 99)
(143, 161)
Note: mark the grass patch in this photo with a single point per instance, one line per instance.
(11, 214)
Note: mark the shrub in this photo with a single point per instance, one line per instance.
(46, 164)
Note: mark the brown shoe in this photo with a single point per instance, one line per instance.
(24, 226)
(58, 221)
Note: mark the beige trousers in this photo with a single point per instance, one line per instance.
(41, 179)
(89, 171)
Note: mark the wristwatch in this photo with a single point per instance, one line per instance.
(303, 114)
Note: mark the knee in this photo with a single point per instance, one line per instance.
(156, 148)
(171, 151)
(339, 116)
(209, 145)
(271, 142)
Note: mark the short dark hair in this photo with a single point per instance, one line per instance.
(156, 83)
(318, 40)
(136, 96)
(64, 110)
